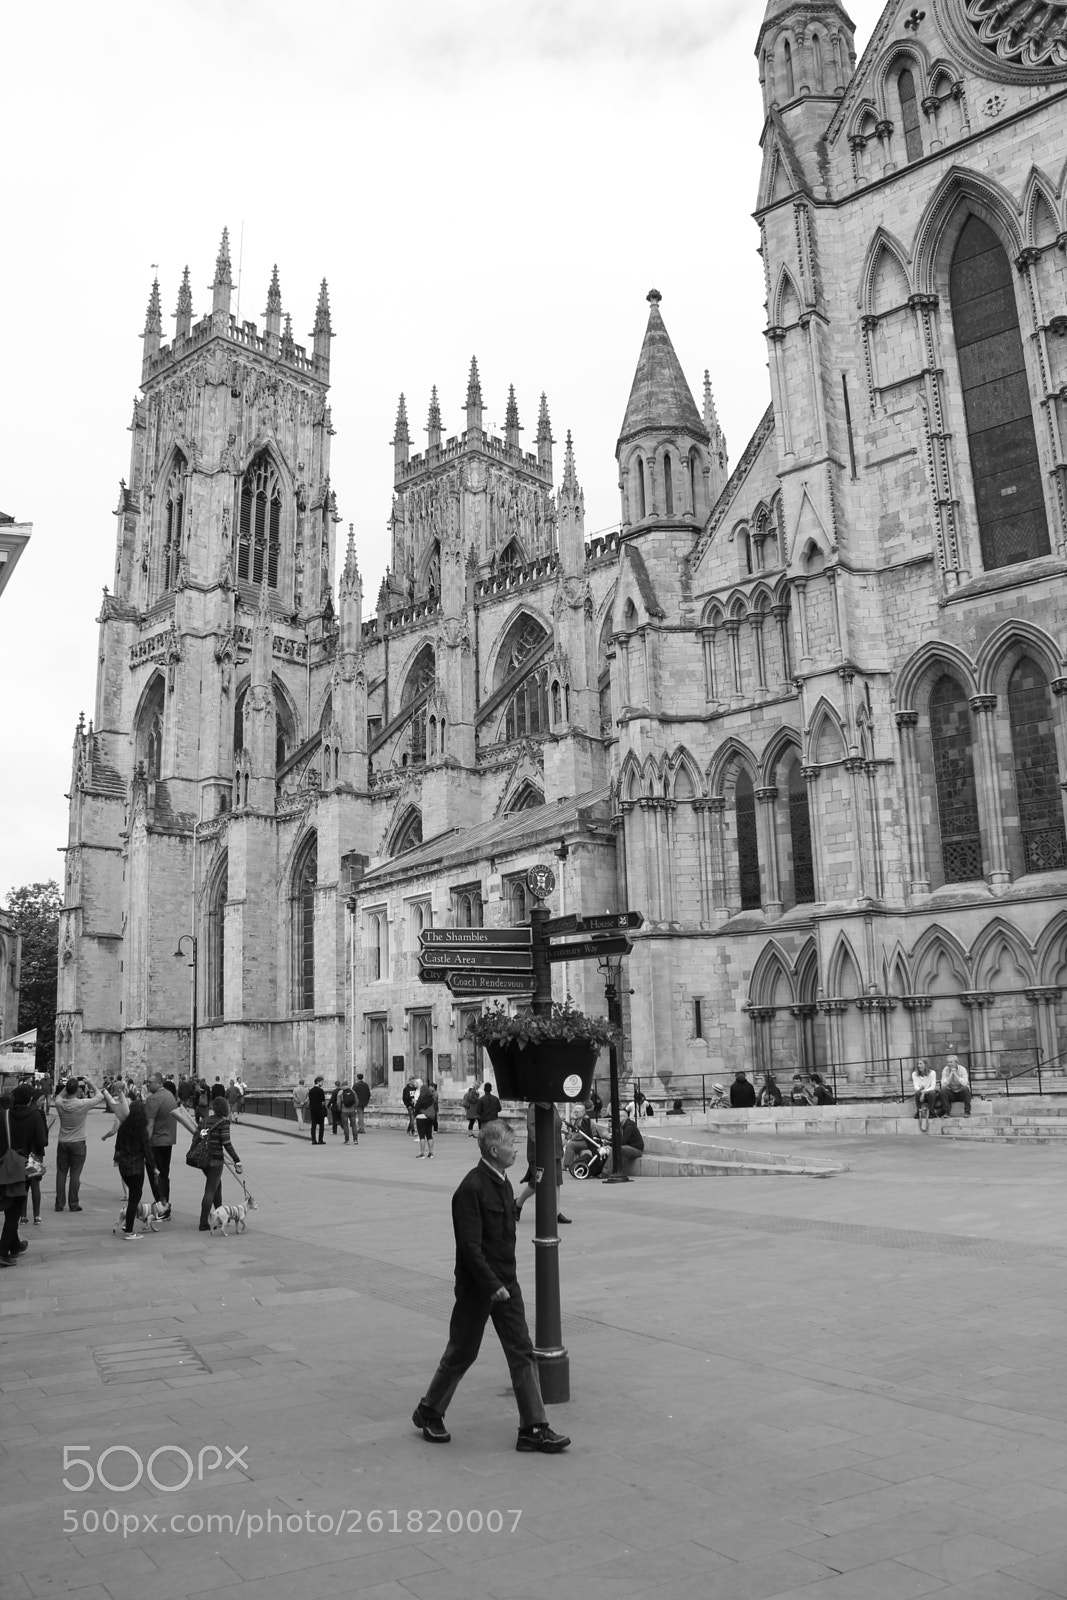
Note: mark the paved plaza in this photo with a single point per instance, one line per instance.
(782, 1386)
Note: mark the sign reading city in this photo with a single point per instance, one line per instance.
(589, 949)
(479, 983)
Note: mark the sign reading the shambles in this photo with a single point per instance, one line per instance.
(442, 938)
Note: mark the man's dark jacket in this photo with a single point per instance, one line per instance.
(742, 1093)
(362, 1089)
(317, 1100)
(488, 1109)
(483, 1218)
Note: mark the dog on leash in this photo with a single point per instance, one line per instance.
(149, 1215)
(220, 1218)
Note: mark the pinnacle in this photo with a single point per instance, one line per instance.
(350, 576)
(185, 296)
(434, 419)
(711, 420)
(223, 269)
(274, 294)
(287, 333)
(401, 435)
(153, 322)
(544, 425)
(474, 384)
(660, 396)
(570, 478)
(512, 417)
(322, 311)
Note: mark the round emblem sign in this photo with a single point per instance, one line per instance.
(572, 1086)
(541, 880)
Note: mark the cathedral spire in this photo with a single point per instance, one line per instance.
(323, 331)
(401, 440)
(183, 314)
(272, 316)
(660, 397)
(544, 437)
(570, 480)
(474, 398)
(512, 426)
(222, 283)
(433, 421)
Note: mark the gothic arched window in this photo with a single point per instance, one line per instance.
(1037, 776)
(640, 489)
(668, 485)
(170, 547)
(216, 945)
(816, 63)
(527, 710)
(909, 116)
(996, 400)
(433, 573)
(800, 838)
(467, 910)
(259, 524)
(409, 833)
(747, 843)
(305, 877)
(148, 741)
(957, 798)
(418, 681)
(788, 63)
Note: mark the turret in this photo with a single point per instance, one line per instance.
(571, 512)
(663, 446)
(183, 314)
(322, 332)
(512, 427)
(474, 399)
(153, 322)
(401, 440)
(545, 440)
(433, 422)
(222, 284)
(272, 316)
(806, 55)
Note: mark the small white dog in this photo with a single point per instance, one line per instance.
(220, 1218)
(149, 1215)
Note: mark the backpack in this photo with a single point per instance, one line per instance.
(348, 1097)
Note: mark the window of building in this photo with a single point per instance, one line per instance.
(668, 484)
(471, 1063)
(698, 1019)
(418, 681)
(259, 524)
(420, 1045)
(909, 116)
(788, 62)
(433, 573)
(952, 740)
(377, 945)
(800, 839)
(420, 917)
(1037, 777)
(215, 996)
(996, 397)
(378, 1051)
(527, 710)
(517, 899)
(747, 844)
(171, 530)
(148, 742)
(305, 877)
(467, 907)
(409, 833)
(640, 489)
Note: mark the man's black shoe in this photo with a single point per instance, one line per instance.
(562, 1218)
(432, 1426)
(541, 1438)
(75, 1208)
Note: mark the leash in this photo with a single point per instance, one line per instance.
(250, 1200)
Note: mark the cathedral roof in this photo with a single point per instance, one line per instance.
(660, 398)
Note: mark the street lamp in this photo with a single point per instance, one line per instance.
(178, 954)
(612, 970)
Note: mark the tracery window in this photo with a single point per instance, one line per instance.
(216, 946)
(1037, 777)
(433, 573)
(409, 833)
(909, 116)
(305, 877)
(467, 908)
(419, 679)
(996, 397)
(952, 739)
(378, 1051)
(527, 710)
(259, 524)
(800, 839)
(172, 523)
(747, 843)
(378, 945)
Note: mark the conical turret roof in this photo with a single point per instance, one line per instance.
(660, 397)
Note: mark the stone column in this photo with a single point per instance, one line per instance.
(976, 1003)
(811, 778)
(781, 615)
(773, 904)
(834, 1010)
(989, 805)
(909, 768)
(800, 587)
(1044, 1000)
(733, 626)
(707, 640)
(720, 889)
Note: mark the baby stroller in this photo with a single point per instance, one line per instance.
(590, 1163)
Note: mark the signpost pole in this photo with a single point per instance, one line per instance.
(552, 1359)
(612, 971)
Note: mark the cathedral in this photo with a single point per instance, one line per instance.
(806, 715)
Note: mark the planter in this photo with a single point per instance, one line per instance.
(555, 1069)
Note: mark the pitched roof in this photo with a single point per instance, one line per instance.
(660, 397)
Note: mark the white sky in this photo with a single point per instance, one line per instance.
(500, 177)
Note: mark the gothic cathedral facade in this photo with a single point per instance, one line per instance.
(808, 716)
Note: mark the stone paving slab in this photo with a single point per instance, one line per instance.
(849, 1390)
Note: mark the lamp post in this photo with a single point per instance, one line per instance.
(612, 970)
(178, 954)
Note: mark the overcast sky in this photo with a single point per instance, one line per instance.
(505, 178)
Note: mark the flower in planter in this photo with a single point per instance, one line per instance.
(564, 1023)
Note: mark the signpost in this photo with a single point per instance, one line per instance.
(475, 938)
(484, 960)
(608, 923)
(589, 949)
(489, 983)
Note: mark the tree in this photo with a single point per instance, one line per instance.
(35, 909)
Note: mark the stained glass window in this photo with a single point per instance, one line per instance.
(747, 844)
(1037, 777)
(259, 524)
(304, 880)
(957, 798)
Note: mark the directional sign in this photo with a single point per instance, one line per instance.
(474, 938)
(433, 974)
(488, 983)
(589, 949)
(602, 924)
(569, 924)
(494, 960)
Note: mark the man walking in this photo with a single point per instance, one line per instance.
(362, 1093)
(317, 1110)
(70, 1146)
(300, 1099)
(488, 1106)
(160, 1109)
(483, 1220)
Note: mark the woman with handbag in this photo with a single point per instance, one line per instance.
(133, 1153)
(12, 1189)
(426, 1120)
(29, 1135)
(209, 1151)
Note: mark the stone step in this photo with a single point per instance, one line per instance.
(660, 1166)
(658, 1145)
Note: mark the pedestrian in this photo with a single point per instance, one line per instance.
(333, 1106)
(348, 1110)
(29, 1136)
(488, 1106)
(72, 1112)
(234, 1098)
(530, 1178)
(300, 1100)
(161, 1109)
(742, 1093)
(409, 1096)
(216, 1129)
(487, 1287)
(317, 1110)
(470, 1106)
(203, 1100)
(133, 1155)
(426, 1120)
(770, 1094)
(362, 1092)
(12, 1194)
